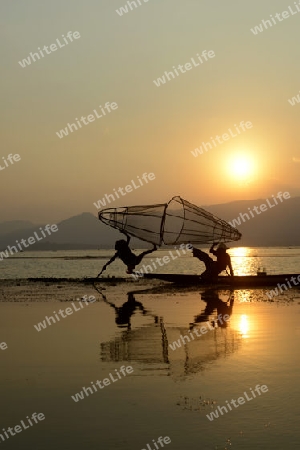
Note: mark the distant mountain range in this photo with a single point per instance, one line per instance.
(277, 226)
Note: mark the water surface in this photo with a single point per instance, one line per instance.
(170, 392)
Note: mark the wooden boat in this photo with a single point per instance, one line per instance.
(245, 281)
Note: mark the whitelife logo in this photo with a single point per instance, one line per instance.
(124, 9)
(105, 381)
(274, 292)
(187, 66)
(3, 346)
(259, 209)
(31, 240)
(205, 146)
(68, 311)
(53, 47)
(203, 330)
(11, 158)
(90, 118)
(166, 440)
(265, 24)
(108, 198)
(241, 401)
(294, 100)
(161, 261)
(18, 428)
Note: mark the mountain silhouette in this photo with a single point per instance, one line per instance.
(277, 226)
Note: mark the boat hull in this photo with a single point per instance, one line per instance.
(237, 281)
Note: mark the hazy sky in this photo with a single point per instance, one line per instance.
(154, 128)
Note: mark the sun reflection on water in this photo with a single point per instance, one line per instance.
(242, 262)
(244, 326)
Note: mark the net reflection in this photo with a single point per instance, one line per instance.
(147, 344)
(163, 345)
(220, 342)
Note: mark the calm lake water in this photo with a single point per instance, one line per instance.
(170, 392)
(88, 263)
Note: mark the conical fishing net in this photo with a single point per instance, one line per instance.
(185, 222)
(176, 222)
(143, 222)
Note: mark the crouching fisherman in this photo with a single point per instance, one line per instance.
(214, 268)
(126, 256)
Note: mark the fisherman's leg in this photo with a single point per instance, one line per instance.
(211, 267)
(141, 256)
(204, 257)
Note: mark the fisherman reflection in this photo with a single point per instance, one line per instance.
(128, 309)
(213, 302)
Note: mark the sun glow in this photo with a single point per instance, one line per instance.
(240, 167)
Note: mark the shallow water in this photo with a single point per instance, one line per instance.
(170, 392)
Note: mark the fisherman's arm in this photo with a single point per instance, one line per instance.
(127, 237)
(212, 250)
(108, 263)
(230, 267)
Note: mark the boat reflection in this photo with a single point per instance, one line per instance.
(164, 345)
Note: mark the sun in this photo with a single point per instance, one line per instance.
(241, 167)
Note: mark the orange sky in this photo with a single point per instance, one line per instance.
(154, 129)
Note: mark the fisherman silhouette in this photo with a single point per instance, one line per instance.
(213, 302)
(128, 309)
(214, 268)
(126, 256)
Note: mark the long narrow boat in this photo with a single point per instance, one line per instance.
(236, 281)
(244, 281)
